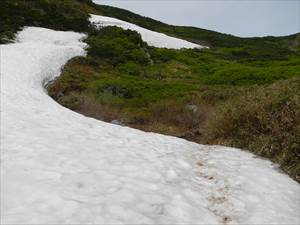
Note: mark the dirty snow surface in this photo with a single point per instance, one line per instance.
(153, 38)
(59, 167)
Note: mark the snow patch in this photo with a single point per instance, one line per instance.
(153, 38)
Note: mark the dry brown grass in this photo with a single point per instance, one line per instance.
(90, 107)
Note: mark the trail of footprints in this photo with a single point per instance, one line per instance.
(218, 202)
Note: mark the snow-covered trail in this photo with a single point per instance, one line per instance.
(59, 167)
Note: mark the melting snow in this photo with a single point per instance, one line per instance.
(153, 38)
(59, 167)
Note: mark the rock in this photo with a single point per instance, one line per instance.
(116, 91)
(192, 108)
(117, 122)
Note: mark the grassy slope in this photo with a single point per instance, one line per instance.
(242, 92)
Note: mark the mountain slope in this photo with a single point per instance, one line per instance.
(202, 36)
(60, 167)
(73, 14)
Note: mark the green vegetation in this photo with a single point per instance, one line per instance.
(73, 15)
(265, 120)
(242, 92)
(53, 14)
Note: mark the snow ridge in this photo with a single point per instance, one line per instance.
(59, 167)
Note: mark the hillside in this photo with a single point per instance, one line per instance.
(176, 92)
(73, 14)
(88, 165)
(194, 34)
(59, 167)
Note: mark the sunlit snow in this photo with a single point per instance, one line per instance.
(59, 167)
(151, 37)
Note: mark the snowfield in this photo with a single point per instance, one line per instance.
(59, 167)
(152, 38)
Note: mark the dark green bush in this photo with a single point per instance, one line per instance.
(54, 14)
(117, 46)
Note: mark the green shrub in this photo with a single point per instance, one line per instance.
(54, 14)
(265, 120)
(130, 68)
(117, 46)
